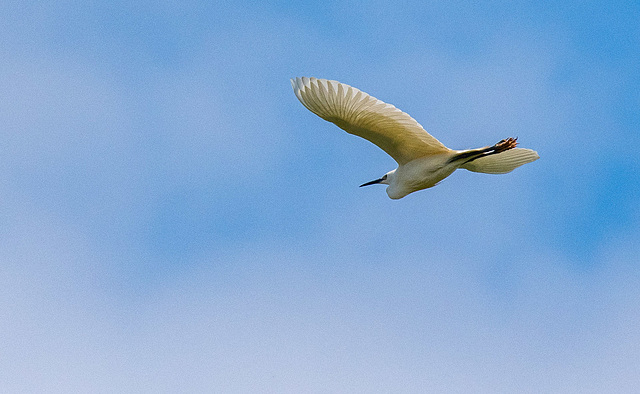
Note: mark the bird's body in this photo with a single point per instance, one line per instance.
(423, 161)
(418, 174)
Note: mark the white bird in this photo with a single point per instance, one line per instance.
(423, 161)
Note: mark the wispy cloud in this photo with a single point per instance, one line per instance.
(173, 219)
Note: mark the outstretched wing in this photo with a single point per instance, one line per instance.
(363, 115)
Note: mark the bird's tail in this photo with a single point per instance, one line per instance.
(503, 162)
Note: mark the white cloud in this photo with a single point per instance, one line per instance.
(317, 319)
(451, 288)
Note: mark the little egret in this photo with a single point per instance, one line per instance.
(423, 161)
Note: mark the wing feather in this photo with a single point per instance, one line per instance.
(502, 163)
(363, 115)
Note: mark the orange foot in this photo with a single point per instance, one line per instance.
(504, 145)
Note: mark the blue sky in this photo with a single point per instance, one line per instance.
(173, 219)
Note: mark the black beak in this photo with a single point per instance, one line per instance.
(372, 182)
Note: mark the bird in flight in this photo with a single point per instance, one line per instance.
(423, 161)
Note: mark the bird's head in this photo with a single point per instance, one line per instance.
(385, 180)
(394, 191)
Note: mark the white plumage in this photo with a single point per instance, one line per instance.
(423, 161)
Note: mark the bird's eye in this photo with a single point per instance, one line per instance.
(384, 177)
